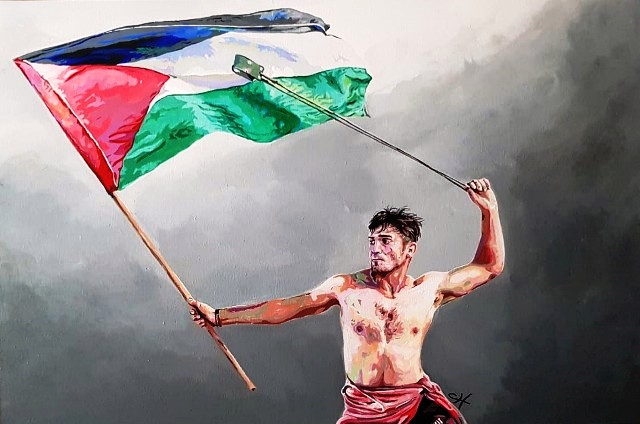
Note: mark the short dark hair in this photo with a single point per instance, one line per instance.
(407, 223)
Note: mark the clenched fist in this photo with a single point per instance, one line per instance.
(480, 192)
(202, 314)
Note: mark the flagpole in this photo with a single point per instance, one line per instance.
(186, 295)
(251, 70)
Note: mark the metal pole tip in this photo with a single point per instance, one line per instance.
(247, 68)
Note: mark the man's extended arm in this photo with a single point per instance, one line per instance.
(488, 261)
(274, 311)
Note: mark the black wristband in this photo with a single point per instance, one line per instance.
(216, 318)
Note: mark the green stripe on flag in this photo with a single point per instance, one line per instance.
(255, 111)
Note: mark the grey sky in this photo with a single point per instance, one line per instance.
(542, 98)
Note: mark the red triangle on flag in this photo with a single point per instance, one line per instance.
(100, 108)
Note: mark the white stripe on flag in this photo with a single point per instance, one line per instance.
(207, 65)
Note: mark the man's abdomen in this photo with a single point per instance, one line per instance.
(383, 365)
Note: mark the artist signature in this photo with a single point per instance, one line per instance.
(459, 400)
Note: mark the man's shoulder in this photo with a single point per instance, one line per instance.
(341, 277)
(335, 284)
(341, 282)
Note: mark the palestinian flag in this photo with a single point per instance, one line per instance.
(133, 97)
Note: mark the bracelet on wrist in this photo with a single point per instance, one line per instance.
(216, 319)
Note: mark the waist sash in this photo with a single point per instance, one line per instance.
(391, 404)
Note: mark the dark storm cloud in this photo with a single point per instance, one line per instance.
(82, 367)
(575, 241)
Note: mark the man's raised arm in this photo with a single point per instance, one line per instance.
(489, 259)
(274, 311)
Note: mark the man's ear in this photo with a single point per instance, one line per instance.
(411, 249)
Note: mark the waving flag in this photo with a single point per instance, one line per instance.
(133, 97)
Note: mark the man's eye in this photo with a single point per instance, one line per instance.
(370, 242)
(386, 241)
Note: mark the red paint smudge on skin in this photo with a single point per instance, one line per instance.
(392, 326)
(246, 308)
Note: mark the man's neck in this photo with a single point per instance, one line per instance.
(393, 281)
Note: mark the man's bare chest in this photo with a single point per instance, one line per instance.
(378, 318)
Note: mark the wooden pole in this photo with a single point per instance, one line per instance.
(180, 286)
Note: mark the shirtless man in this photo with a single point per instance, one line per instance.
(385, 315)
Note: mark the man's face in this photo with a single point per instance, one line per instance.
(388, 249)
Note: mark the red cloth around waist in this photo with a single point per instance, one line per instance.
(390, 404)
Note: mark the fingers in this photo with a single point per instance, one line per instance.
(194, 309)
(480, 185)
(195, 313)
(198, 320)
(473, 195)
